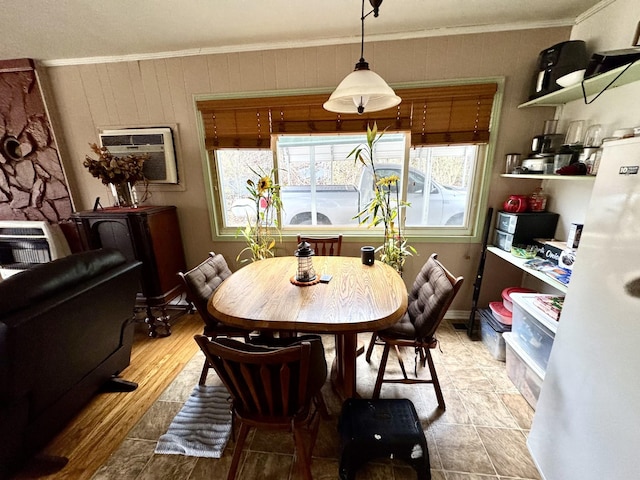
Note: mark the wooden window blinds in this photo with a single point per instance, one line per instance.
(434, 115)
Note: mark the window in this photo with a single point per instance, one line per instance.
(322, 186)
(235, 167)
(435, 141)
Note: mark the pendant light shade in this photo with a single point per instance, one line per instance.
(362, 89)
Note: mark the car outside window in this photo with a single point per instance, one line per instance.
(321, 186)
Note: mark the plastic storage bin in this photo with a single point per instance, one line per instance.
(533, 330)
(525, 375)
(500, 313)
(491, 332)
(507, 292)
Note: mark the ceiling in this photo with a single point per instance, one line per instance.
(81, 31)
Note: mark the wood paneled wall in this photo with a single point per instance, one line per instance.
(160, 91)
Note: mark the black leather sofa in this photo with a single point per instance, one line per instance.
(65, 330)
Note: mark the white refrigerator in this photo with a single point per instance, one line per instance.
(587, 421)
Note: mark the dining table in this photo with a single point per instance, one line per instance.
(264, 295)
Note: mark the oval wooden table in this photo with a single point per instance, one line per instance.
(359, 298)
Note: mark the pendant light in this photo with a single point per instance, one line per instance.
(362, 89)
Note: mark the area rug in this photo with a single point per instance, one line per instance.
(202, 427)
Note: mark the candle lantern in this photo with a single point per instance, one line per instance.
(305, 271)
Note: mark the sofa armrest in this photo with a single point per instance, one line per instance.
(42, 281)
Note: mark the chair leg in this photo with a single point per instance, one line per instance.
(399, 356)
(303, 452)
(434, 378)
(322, 407)
(381, 369)
(205, 371)
(423, 356)
(237, 451)
(372, 343)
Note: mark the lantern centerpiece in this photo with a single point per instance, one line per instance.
(305, 274)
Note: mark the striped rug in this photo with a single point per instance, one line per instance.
(202, 427)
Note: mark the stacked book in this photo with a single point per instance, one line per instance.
(550, 305)
(562, 275)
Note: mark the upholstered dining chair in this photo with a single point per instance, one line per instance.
(200, 283)
(271, 388)
(324, 246)
(431, 295)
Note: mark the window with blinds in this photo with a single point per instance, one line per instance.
(445, 115)
(435, 142)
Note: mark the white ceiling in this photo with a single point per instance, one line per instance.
(80, 31)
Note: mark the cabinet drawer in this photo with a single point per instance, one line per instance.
(503, 240)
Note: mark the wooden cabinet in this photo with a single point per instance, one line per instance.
(151, 235)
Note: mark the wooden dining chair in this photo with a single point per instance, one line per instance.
(324, 246)
(271, 388)
(200, 283)
(431, 295)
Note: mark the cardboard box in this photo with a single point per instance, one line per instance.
(549, 249)
(574, 235)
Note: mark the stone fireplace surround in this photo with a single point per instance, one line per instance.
(32, 181)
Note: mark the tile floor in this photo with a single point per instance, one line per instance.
(480, 436)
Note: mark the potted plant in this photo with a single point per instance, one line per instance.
(259, 230)
(385, 205)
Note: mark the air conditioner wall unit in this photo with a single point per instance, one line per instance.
(157, 142)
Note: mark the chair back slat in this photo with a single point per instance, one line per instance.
(325, 246)
(285, 384)
(229, 376)
(270, 389)
(248, 381)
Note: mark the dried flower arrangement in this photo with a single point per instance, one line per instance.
(116, 170)
(120, 173)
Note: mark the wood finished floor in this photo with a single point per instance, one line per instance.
(481, 436)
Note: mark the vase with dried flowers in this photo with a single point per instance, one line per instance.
(384, 207)
(121, 174)
(261, 229)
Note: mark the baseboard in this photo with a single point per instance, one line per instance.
(457, 315)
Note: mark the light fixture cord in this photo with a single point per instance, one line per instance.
(363, 16)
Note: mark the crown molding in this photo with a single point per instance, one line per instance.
(593, 10)
(439, 32)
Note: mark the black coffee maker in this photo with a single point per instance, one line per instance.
(556, 62)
